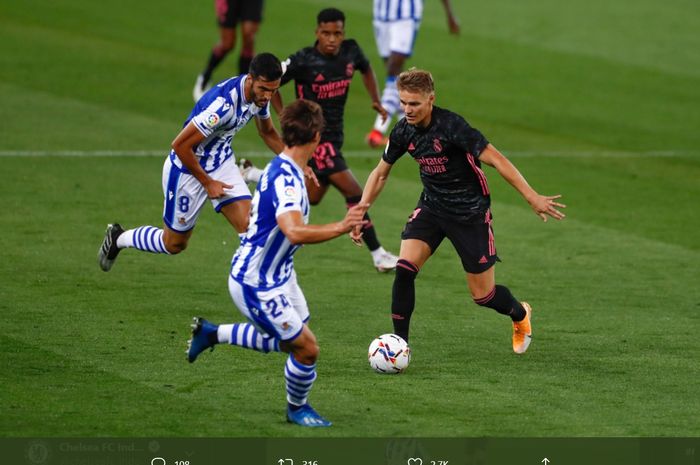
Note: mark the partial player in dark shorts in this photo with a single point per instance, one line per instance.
(473, 241)
(327, 160)
(231, 12)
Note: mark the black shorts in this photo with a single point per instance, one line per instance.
(327, 160)
(474, 242)
(230, 12)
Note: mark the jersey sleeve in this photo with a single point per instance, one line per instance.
(467, 138)
(396, 146)
(293, 65)
(214, 116)
(264, 112)
(360, 61)
(288, 194)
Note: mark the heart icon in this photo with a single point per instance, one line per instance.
(415, 461)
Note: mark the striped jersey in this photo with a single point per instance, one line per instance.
(219, 115)
(393, 10)
(264, 258)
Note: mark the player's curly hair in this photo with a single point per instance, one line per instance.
(416, 80)
(330, 15)
(300, 121)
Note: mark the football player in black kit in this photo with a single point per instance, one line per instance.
(230, 13)
(323, 73)
(454, 203)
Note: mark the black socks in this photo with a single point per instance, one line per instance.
(501, 300)
(403, 297)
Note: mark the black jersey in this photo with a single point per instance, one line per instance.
(447, 153)
(326, 81)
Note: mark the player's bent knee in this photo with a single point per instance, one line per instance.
(175, 249)
(224, 47)
(314, 351)
(307, 354)
(176, 246)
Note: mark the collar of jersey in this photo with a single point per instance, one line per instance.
(286, 157)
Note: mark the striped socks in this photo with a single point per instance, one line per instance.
(146, 238)
(300, 379)
(246, 335)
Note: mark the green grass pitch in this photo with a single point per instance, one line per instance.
(595, 100)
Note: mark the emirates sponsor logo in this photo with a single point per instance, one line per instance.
(433, 165)
(331, 89)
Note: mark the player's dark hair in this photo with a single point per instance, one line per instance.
(300, 121)
(330, 15)
(266, 66)
(416, 80)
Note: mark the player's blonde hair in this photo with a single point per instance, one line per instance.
(416, 80)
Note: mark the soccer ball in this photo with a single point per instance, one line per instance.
(389, 353)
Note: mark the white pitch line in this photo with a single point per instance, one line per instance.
(356, 153)
(82, 153)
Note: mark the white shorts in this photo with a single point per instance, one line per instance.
(279, 312)
(185, 196)
(395, 36)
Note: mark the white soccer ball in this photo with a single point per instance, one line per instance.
(389, 353)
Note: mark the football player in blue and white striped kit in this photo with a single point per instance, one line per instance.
(202, 164)
(396, 24)
(262, 281)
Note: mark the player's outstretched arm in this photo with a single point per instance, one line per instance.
(543, 205)
(369, 79)
(373, 187)
(183, 147)
(292, 225)
(268, 133)
(375, 184)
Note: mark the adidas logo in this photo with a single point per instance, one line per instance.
(319, 77)
(411, 147)
(483, 260)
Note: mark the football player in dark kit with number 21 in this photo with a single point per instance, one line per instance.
(323, 73)
(455, 203)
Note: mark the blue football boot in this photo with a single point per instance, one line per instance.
(306, 416)
(203, 337)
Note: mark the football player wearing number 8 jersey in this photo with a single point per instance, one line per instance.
(202, 164)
